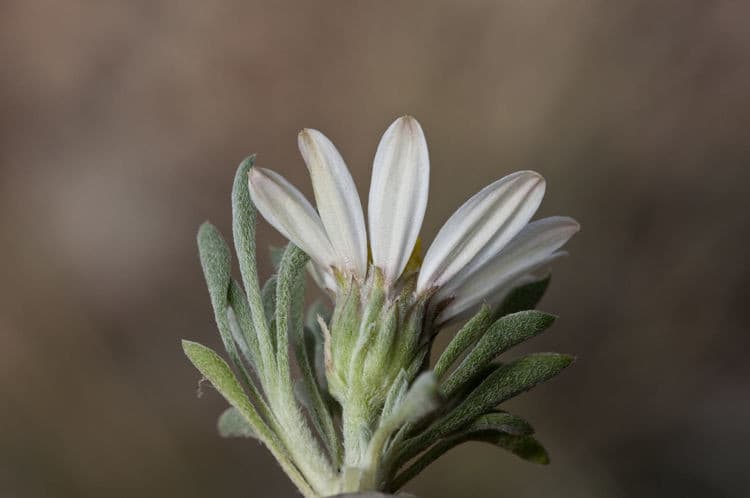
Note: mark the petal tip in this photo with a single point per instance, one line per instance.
(534, 176)
(408, 123)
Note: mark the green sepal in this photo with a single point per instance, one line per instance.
(502, 335)
(232, 423)
(339, 345)
(524, 297)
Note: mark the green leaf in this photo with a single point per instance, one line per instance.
(216, 262)
(502, 335)
(218, 373)
(465, 337)
(504, 383)
(488, 429)
(503, 422)
(244, 216)
(231, 423)
(290, 277)
(248, 341)
(289, 320)
(525, 297)
(526, 447)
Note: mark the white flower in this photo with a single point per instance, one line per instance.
(486, 247)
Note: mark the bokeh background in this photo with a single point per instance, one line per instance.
(121, 124)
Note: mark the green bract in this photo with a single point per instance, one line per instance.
(345, 399)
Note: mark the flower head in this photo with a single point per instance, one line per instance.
(367, 411)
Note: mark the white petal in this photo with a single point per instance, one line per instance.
(532, 249)
(481, 227)
(538, 272)
(287, 210)
(336, 199)
(398, 195)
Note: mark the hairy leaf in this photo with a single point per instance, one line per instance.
(502, 335)
(218, 373)
(244, 217)
(216, 262)
(248, 340)
(485, 430)
(504, 383)
(503, 422)
(465, 337)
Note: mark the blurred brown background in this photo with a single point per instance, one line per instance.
(121, 124)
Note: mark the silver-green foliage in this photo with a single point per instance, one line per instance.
(363, 411)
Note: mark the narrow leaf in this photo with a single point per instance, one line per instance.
(216, 371)
(504, 383)
(503, 422)
(216, 262)
(524, 446)
(289, 301)
(290, 276)
(465, 337)
(244, 217)
(241, 309)
(501, 336)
